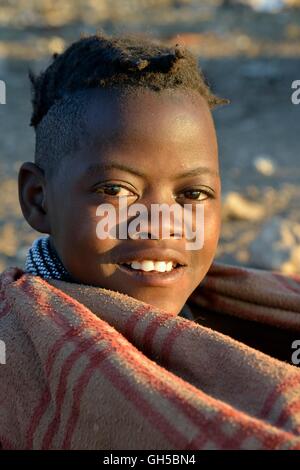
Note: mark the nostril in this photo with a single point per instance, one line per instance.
(177, 235)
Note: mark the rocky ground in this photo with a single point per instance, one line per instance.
(250, 57)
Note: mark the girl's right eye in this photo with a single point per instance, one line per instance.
(115, 190)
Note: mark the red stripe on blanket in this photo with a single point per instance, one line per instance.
(239, 434)
(197, 443)
(186, 407)
(71, 360)
(53, 426)
(235, 442)
(208, 427)
(37, 416)
(279, 439)
(226, 305)
(134, 319)
(268, 440)
(192, 413)
(72, 332)
(286, 283)
(123, 385)
(211, 427)
(275, 394)
(287, 412)
(149, 333)
(6, 444)
(170, 339)
(46, 396)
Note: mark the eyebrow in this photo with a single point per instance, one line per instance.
(99, 168)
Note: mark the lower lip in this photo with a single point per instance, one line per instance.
(154, 278)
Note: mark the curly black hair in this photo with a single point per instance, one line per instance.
(128, 61)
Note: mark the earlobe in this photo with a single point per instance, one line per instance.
(32, 196)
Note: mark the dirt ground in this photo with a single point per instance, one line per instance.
(249, 57)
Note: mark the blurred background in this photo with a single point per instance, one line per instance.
(249, 51)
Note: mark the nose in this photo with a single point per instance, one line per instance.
(161, 220)
(160, 226)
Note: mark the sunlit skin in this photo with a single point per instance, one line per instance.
(143, 147)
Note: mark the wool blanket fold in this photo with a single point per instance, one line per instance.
(89, 368)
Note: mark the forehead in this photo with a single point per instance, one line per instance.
(148, 118)
(154, 131)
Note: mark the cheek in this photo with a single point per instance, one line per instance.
(203, 258)
(206, 227)
(87, 237)
(212, 226)
(85, 255)
(77, 236)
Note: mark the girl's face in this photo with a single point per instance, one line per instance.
(150, 148)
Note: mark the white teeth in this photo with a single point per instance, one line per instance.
(148, 265)
(160, 266)
(135, 265)
(169, 265)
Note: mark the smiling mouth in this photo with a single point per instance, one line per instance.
(149, 266)
(153, 277)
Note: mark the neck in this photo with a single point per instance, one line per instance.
(42, 260)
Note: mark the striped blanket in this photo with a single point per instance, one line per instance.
(88, 368)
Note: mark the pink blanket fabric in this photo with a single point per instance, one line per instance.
(89, 368)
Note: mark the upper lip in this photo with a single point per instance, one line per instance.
(153, 254)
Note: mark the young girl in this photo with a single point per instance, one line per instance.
(129, 120)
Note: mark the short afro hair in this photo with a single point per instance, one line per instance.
(100, 61)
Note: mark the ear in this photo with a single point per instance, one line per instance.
(32, 196)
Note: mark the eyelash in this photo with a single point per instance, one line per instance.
(98, 190)
(209, 194)
(196, 190)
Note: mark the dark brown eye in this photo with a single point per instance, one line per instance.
(114, 190)
(195, 194)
